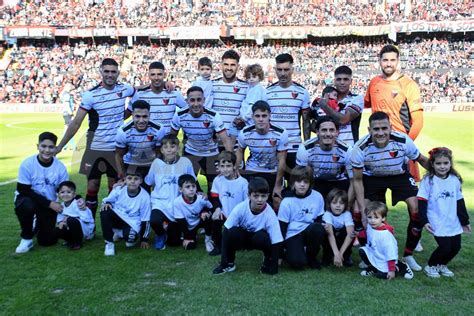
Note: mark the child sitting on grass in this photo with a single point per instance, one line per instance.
(73, 224)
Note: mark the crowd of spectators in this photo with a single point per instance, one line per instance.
(155, 13)
(42, 73)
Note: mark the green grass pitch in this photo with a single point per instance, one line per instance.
(58, 281)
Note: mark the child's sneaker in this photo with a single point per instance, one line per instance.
(109, 249)
(366, 273)
(444, 271)
(209, 244)
(75, 246)
(160, 242)
(221, 269)
(24, 246)
(431, 271)
(409, 273)
(419, 247)
(412, 263)
(130, 244)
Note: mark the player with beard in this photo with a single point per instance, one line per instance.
(289, 101)
(328, 157)
(397, 95)
(105, 105)
(228, 93)
(379, 163)
(163, 101)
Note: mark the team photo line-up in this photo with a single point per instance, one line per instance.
(291, 197)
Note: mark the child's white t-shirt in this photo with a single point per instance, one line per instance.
(164, 179)
(442, 196)
(241, 216)
(340, 221)
(85, 218)
(381, 248)
(230, 192)
(299, 213)
(191, 212)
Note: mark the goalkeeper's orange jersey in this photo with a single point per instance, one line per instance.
(398, 98)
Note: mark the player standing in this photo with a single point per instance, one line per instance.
(228, 93)
(397, 95)
(350, 106)
(105, 105)
(162, 102)
(288, 101)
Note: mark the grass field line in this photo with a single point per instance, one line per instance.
(14, 125)
(72, 163)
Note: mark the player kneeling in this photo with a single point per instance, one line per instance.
(127, 210)
(252, 224)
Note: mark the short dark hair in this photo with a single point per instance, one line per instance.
(376, 207)
(156, 65)
(258, 185)
(170, 139)
(389, 49)
(140, 104)
(231, 54)
(262, 106)
(186, 178)
(337, 194)
(133, 171)
(343, 70)
(254, 69)
(378, 116)
(300, 173)
(204, 61)
(324, 119)
(109, 62)
(48, 135)
(284, 58)
(227, 156)
(68, 184)
(194, 88)
(328, 89)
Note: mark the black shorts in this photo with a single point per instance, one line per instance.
(324, 186)
(142, 170)
(95, 163)
(403, 186)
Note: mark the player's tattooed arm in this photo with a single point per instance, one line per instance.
(306, 124)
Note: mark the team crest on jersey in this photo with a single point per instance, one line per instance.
(166, 101)
(272, 141)
(150, 137)
(236, 89)
(393, 153)
(335, 158)
(294, 95)
(206, 123)
(119, 94)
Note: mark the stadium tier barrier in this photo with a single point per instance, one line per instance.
(58, 107)
(258, 33)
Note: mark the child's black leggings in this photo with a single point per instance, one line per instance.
(448, 248)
